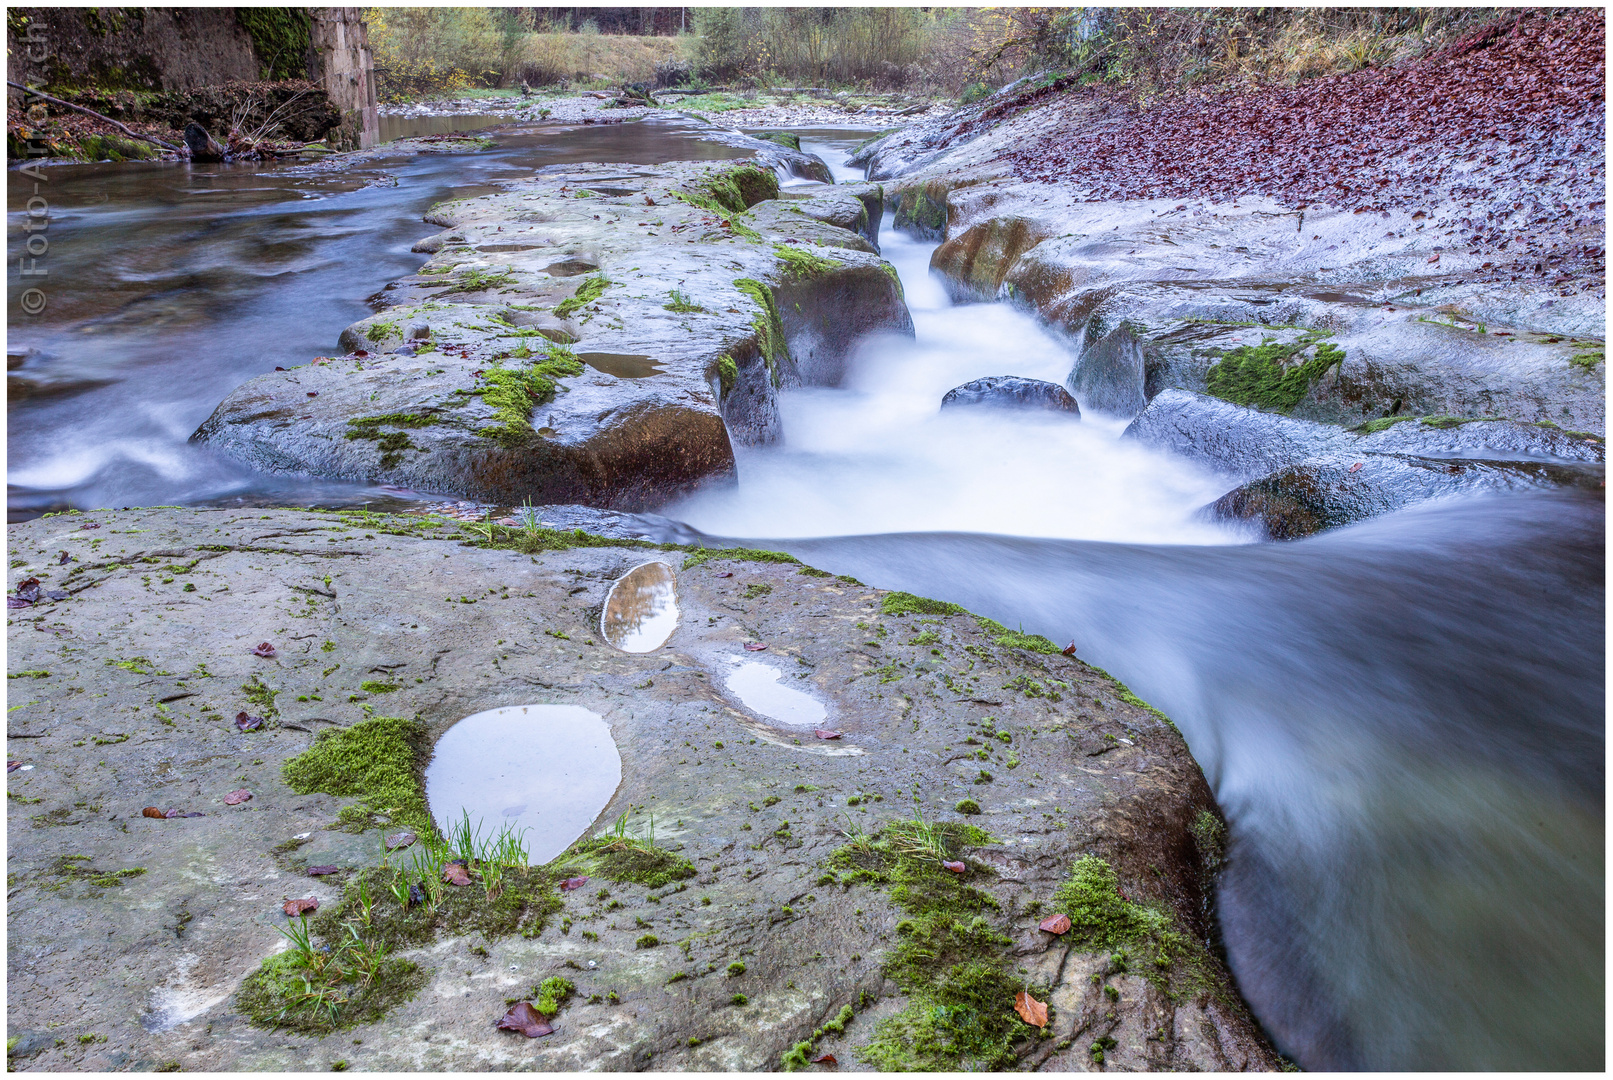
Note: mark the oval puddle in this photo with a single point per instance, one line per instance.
(641, 610)
(621, 365)
(545, 769)
(760, 688)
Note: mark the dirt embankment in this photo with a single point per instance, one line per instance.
(1509, 123)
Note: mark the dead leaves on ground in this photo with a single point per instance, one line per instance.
(456, 874)
(1055, 924)
(158, 812)
(246, 722)
(264, 650)
(236, 798)
(1030, 1010)
(295, 908)
(573, 883)
(527, 1020)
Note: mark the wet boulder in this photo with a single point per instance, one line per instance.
(1109, 376)
(1012, 392)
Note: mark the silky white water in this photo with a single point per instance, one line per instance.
(877, 454)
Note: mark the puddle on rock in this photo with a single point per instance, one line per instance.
(621, 365)
(545, 769)
(761, 689)
(641, 609)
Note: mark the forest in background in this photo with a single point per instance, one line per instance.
(936, 52)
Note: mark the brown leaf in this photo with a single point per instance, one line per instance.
(955, 867)
(321, 871)
(825, 1059)
(1030, 1010)
(1069, 650)
(725, 573)
(456, 874)
(824, 733)
(573, 883)
(754, 646)
(297, 907)
(244, 722)
(264, 649)
(152, 811)
(524, 1018)
(236, 798)
(13, 766)
(29, 590)
(1055, 924)
(400, 840)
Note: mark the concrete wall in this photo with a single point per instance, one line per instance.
(77, 48)
(339, 58)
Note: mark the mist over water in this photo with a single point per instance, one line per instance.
(878, 454)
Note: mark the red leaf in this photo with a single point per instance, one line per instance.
(725, 573)
(1055, 924)
(321, 871)
(1069, 650)
(573, 883)
(455, 874)
(297, 907)
(955, 867)
(1030, 1010)
(152, 811)
(524, 1018)
(1433, 258)
(360, 352)
(91, 525)
(754, 646)
(825, 1059)
(236, 798)
(248, 723)
(823, 734)
(264, 649)
(1356, 467)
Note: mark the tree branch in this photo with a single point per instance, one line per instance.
(127, 131)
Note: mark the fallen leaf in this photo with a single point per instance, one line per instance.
(825, 1059)
(13, 766)
(1030, 1010)
(264, 649)
(1055, 924)
(1356, 467)
(1433, 258)
(244, 722)
(455, 874)
(417, 896)
(57, 594)
(236, 798)
(361, 352)
(1069, 650)
(313, 393)
(15, 602)
(725, 573)
(152, 811)
(321, 871)
(573, 883)
(955, 867)
(297, 907)
(524, 1018)
(91, 525)
(754, 646)
(400, 840)
(28, 590)
(63, 560)
(825, 734)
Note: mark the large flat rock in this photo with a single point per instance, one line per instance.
(598, 334)
(123, 697)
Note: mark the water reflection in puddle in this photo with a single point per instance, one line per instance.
(621, 365)
(760, 688)
(546, 769)
(641, 610)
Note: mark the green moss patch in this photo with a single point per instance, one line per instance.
(1263, 376)
(295, 992)
(951, 957)
(590, 290)
(513, 393)
(522, 902)
(1015, 639)
(801, 263)
(635, 861)
(739, 188)
(768, 326)
(390, 443)
(380, 761)
(783, 138)
(1104, 920)
(701, 556)
(479, 281)
(727, 372)
(902, 603)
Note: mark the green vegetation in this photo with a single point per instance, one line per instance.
(314, 989)
(798, 1056)
(783, 138)
(768, 326)
(280, 38)
(514, 393)
(756, 590)
(1587, 360)
(1102, 920)
(379, 761)
(617, 856)
(260, 695)
(1014, 639)
(591, 289)
(967, 806)
(738, 188)
(390, 443)
(373, 686)
(681, 303)
(902, 603)
(705, 555)
(727, 372)
(65, 868)
(951, 956)
(1382, 423)
(799, 262)
(1261, 375)
(552, 993)
(477, 281)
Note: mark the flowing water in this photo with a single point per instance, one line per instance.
(1403, 720)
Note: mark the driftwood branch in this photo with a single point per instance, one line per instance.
(91, 112)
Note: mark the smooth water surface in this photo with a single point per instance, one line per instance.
(545, 771)
(761, 688)
(641, 609)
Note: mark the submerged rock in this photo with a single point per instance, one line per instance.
(1109, 376)
(1012, 392)
(599, 334)
(741, 922)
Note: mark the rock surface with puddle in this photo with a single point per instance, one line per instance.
(541, 771)
(754, 936)
(761, 689)
(641, 609)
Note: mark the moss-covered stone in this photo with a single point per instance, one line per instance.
(380, 761)
(1262, 376)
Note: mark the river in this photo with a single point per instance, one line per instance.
(1403, 720)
